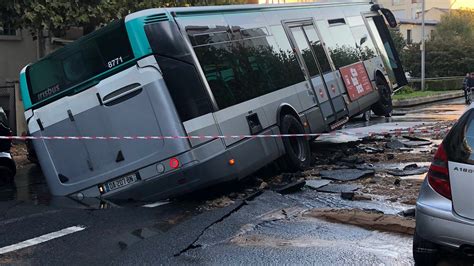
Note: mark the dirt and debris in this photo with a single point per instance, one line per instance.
(377, 167)
(408, 170)
(345, 174)
(220, 202)
(369, 219)
(20, 155)
(315, 184)
(290, 187)
(339, 188)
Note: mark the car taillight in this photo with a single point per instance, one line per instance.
(438, 175)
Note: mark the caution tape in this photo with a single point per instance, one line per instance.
(396, 132)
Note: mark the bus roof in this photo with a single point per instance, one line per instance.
(177, 11)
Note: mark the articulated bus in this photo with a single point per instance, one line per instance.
(213, 71)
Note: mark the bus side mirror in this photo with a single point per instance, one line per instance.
(389, 16)
(392, 21)
(363, 40)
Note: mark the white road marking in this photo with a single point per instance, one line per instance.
(156, 204)
(42, 239)
(15, 220)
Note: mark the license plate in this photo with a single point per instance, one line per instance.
(121, 182)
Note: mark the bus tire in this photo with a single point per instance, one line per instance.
(298, 153)
(384, 106)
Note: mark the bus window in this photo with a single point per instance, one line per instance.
(286, 69)
(243, 69)
(341, 44)
(364, 43)
(318, 49)
(181, 77)
(387, 56)
(189, 96)
(79, 61)
(306, 52)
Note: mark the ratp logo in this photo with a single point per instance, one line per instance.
(48, 92)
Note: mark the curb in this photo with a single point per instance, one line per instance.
(428, 99)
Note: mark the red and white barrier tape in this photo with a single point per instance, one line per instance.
(397, 132)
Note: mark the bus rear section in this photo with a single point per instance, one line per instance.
(110, 110)
(130, 100)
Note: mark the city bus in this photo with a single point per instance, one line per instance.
(204, 71)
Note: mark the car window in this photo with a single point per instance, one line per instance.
(459, 142)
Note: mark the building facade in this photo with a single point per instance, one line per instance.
(409, 13)
(17, 48)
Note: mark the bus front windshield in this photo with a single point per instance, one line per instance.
(78, 62)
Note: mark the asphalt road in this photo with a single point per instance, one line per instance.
(267, 228)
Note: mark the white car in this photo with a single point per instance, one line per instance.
(445, 207)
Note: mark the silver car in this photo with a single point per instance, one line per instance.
(445, 206)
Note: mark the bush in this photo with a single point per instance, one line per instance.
(405, 90)
(438, 85)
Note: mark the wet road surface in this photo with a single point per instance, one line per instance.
(267, 228)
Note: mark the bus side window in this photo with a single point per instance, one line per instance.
(364, 42)
(286, 69)
(181, 77)
(185, 87)
(341, 44)
(241, 70)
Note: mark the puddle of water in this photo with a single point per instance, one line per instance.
(390, 248)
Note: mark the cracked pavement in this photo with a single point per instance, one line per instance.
(227, 224)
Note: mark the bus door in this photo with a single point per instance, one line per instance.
(306, 43)
(381, 35)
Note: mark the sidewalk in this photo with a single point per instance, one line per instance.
(428, 99)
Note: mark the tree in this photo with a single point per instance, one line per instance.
(450, 50)
(55, 17)
(398, 40)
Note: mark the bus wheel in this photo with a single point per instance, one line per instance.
(384, 106)
(298, 152)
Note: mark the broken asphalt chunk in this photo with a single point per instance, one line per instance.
(372, 150)
(415, 138)
(315, 184)
(417, 143)
(352, 160)
(347, 195)
(338, 188)
(395, 144)
(411, 169)
(290, 188)
(408, 212)
(346, 174)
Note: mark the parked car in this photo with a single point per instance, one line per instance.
(445, 206)
(7, 164)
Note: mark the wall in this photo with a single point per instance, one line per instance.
(415, 31)
(15, 53)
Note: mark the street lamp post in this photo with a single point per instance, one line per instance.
(423, 50)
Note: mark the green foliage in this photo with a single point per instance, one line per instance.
(398, 40)
(416, 94)
(59, 15)
(450, 50)
(405, 90)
